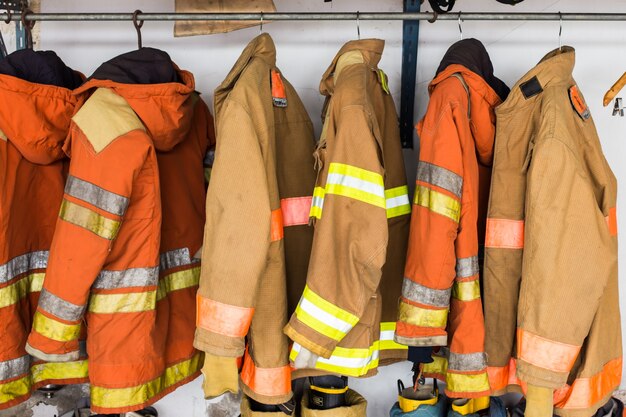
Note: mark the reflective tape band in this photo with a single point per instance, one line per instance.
(129, 278)
(175, 258)
(224, 319)
(13, 293)
(502, 376)
(588, 392)
(10, 391)
(467, 267)
(23, 264)
(323, 316)
(544, 353)
(59, 307)
(463, 383)
(611, 221)
(13, 368)
(467, 361)
(96, 196)
(438, 203)
(422, 317)
(356, 183)
(397, 201)
(270, 382)
(178, 281)
(317, 203)
(440, 177)
(439, 366)
(296, 210)
(504, 234)
(466, 291)
(51, 371)
(133, 302)
(55, 330)
(387, 337)
(276, 226)
(349, 362)
(115, 398)
(89, 220)
(418, 293)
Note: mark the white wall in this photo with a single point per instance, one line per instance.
(305, 50)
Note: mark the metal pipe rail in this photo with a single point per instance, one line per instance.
(307, 16)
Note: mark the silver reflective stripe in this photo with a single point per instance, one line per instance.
(467, 361)
(14, 367)
(441, 177)
(59, 307)
(99, 197)
(22, 264)
(467, 267)
(424, 295)
(176, 258)
(133, 277)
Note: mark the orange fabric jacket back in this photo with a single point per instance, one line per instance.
(34, 121)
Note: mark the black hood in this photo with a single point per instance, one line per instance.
(143, 66)
(40, 67)
(471, 53)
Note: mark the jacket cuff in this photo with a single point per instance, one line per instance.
(412, 335)
(309, 339)
(541, 377)
(52, 357)
(219, 345)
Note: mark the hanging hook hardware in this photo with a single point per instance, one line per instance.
(138, 24)
(460, 26)
(28, 27)
(434, 18)
(261, 27)
(9, 16)
(358, 25)
(560, 31)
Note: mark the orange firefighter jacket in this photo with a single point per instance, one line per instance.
(551, 291)
(114, 268)
(346, 314)
(257, 240)
(441, 295)
(34, 121)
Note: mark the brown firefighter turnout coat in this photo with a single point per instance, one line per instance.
(257, 240)
(121, 263)
(347, 312)
(551, 294)
(34, 120)
(441, 303)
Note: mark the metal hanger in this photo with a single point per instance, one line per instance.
(28, 27)
(3, 46)
(560, 31)
(138, 24)
(261, 27)
(460, 26)
(358, 25)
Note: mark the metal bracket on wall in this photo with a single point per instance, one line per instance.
(410, 38)
(16, 6)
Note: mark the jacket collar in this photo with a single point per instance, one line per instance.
(553, 69)
(371, 50)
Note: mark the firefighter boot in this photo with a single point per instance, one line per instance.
(423, 401)
(355, 406)
(477, 407)
(251, 408)
(613, 408)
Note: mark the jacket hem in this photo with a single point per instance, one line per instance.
(53, 357)
(264, 399)
(16, 401)
(540, 377)
(218, 351)
(452, 394)
(422, 341)
(306, 343)
(582, 412)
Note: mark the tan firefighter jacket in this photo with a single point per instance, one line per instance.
(551, 294)
(361, 205)
(257, 240)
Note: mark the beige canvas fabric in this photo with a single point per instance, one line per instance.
(551, 294)
(191, 28)
(356, 406)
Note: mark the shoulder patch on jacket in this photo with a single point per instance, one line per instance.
(578, 102)
(531, 88)
(279, 96)
(104, 117)
(3, 136)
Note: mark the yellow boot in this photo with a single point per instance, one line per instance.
(356, 406)
(246, 410)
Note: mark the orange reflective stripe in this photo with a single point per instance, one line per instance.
(504, 233)
(279, 97)
(545, 353)
(501, 377)
(271, 382)
(228, 320)
(296, 210)
(587, 392)
(276, 229)
(611, 221)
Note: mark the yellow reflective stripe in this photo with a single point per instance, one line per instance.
(55, 330)
(137, 395)
(317, 204)
(397, 201)
(11, 294)
(9, 391)
(178, 281)
(89, 219)
(356, 183)
(122, 303)
(387, 333)
(353, 362)
(59, 371)
(332, 391)
(467, 383)
(438, 202)
(318, 326)
(328, 307)
(438, 366)
(466, 291)
(422, 317)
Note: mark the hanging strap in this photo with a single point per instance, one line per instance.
(442, 6)
(467, 90)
